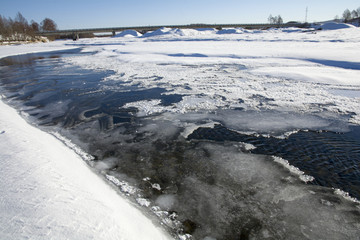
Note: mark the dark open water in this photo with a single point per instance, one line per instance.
(208, 185)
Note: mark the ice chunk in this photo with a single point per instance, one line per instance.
(156, 186)
(191, 127)
(166, 201)
(294, 170)
(277, 123)
(346, 195)
(143, 202)
(146, 107)
(124, 186)
(105, 164)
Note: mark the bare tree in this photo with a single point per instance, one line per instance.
(347, 15)
(6, 26)
(354, 14)
(271, 19)
(20, 24)
(35, 26)
(2, 25)
(20, 19)
(48, 25)
(20, 30)
(275, 20)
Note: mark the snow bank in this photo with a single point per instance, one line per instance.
(231, 31)
(158, 32)
(335, 26)
(128, 33)
(175, 32)
(48, 192)
(11, 50)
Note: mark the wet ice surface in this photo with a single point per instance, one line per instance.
(209, 163)
(331, 158)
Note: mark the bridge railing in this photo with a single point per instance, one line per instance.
(143, 29)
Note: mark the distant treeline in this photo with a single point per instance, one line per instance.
(20, 26)
(348, 15)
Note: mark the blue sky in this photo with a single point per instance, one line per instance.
(70, 14)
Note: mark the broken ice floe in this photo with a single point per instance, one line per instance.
(124, 186)
(294, 170)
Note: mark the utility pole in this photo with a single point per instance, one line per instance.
(306, 14)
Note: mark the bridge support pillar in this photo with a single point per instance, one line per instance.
(113, 33)
(76, 36)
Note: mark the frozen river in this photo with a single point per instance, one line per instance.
(221, 136)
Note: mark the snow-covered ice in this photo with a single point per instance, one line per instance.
(49, 192)
(11, 50)
(263, 69)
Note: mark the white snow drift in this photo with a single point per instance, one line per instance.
(48, 191)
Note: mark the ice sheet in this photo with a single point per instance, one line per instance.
(268, 69)
(11, 50)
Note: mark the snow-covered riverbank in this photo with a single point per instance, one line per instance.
(49, 192)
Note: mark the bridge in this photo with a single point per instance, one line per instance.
(74, 33)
